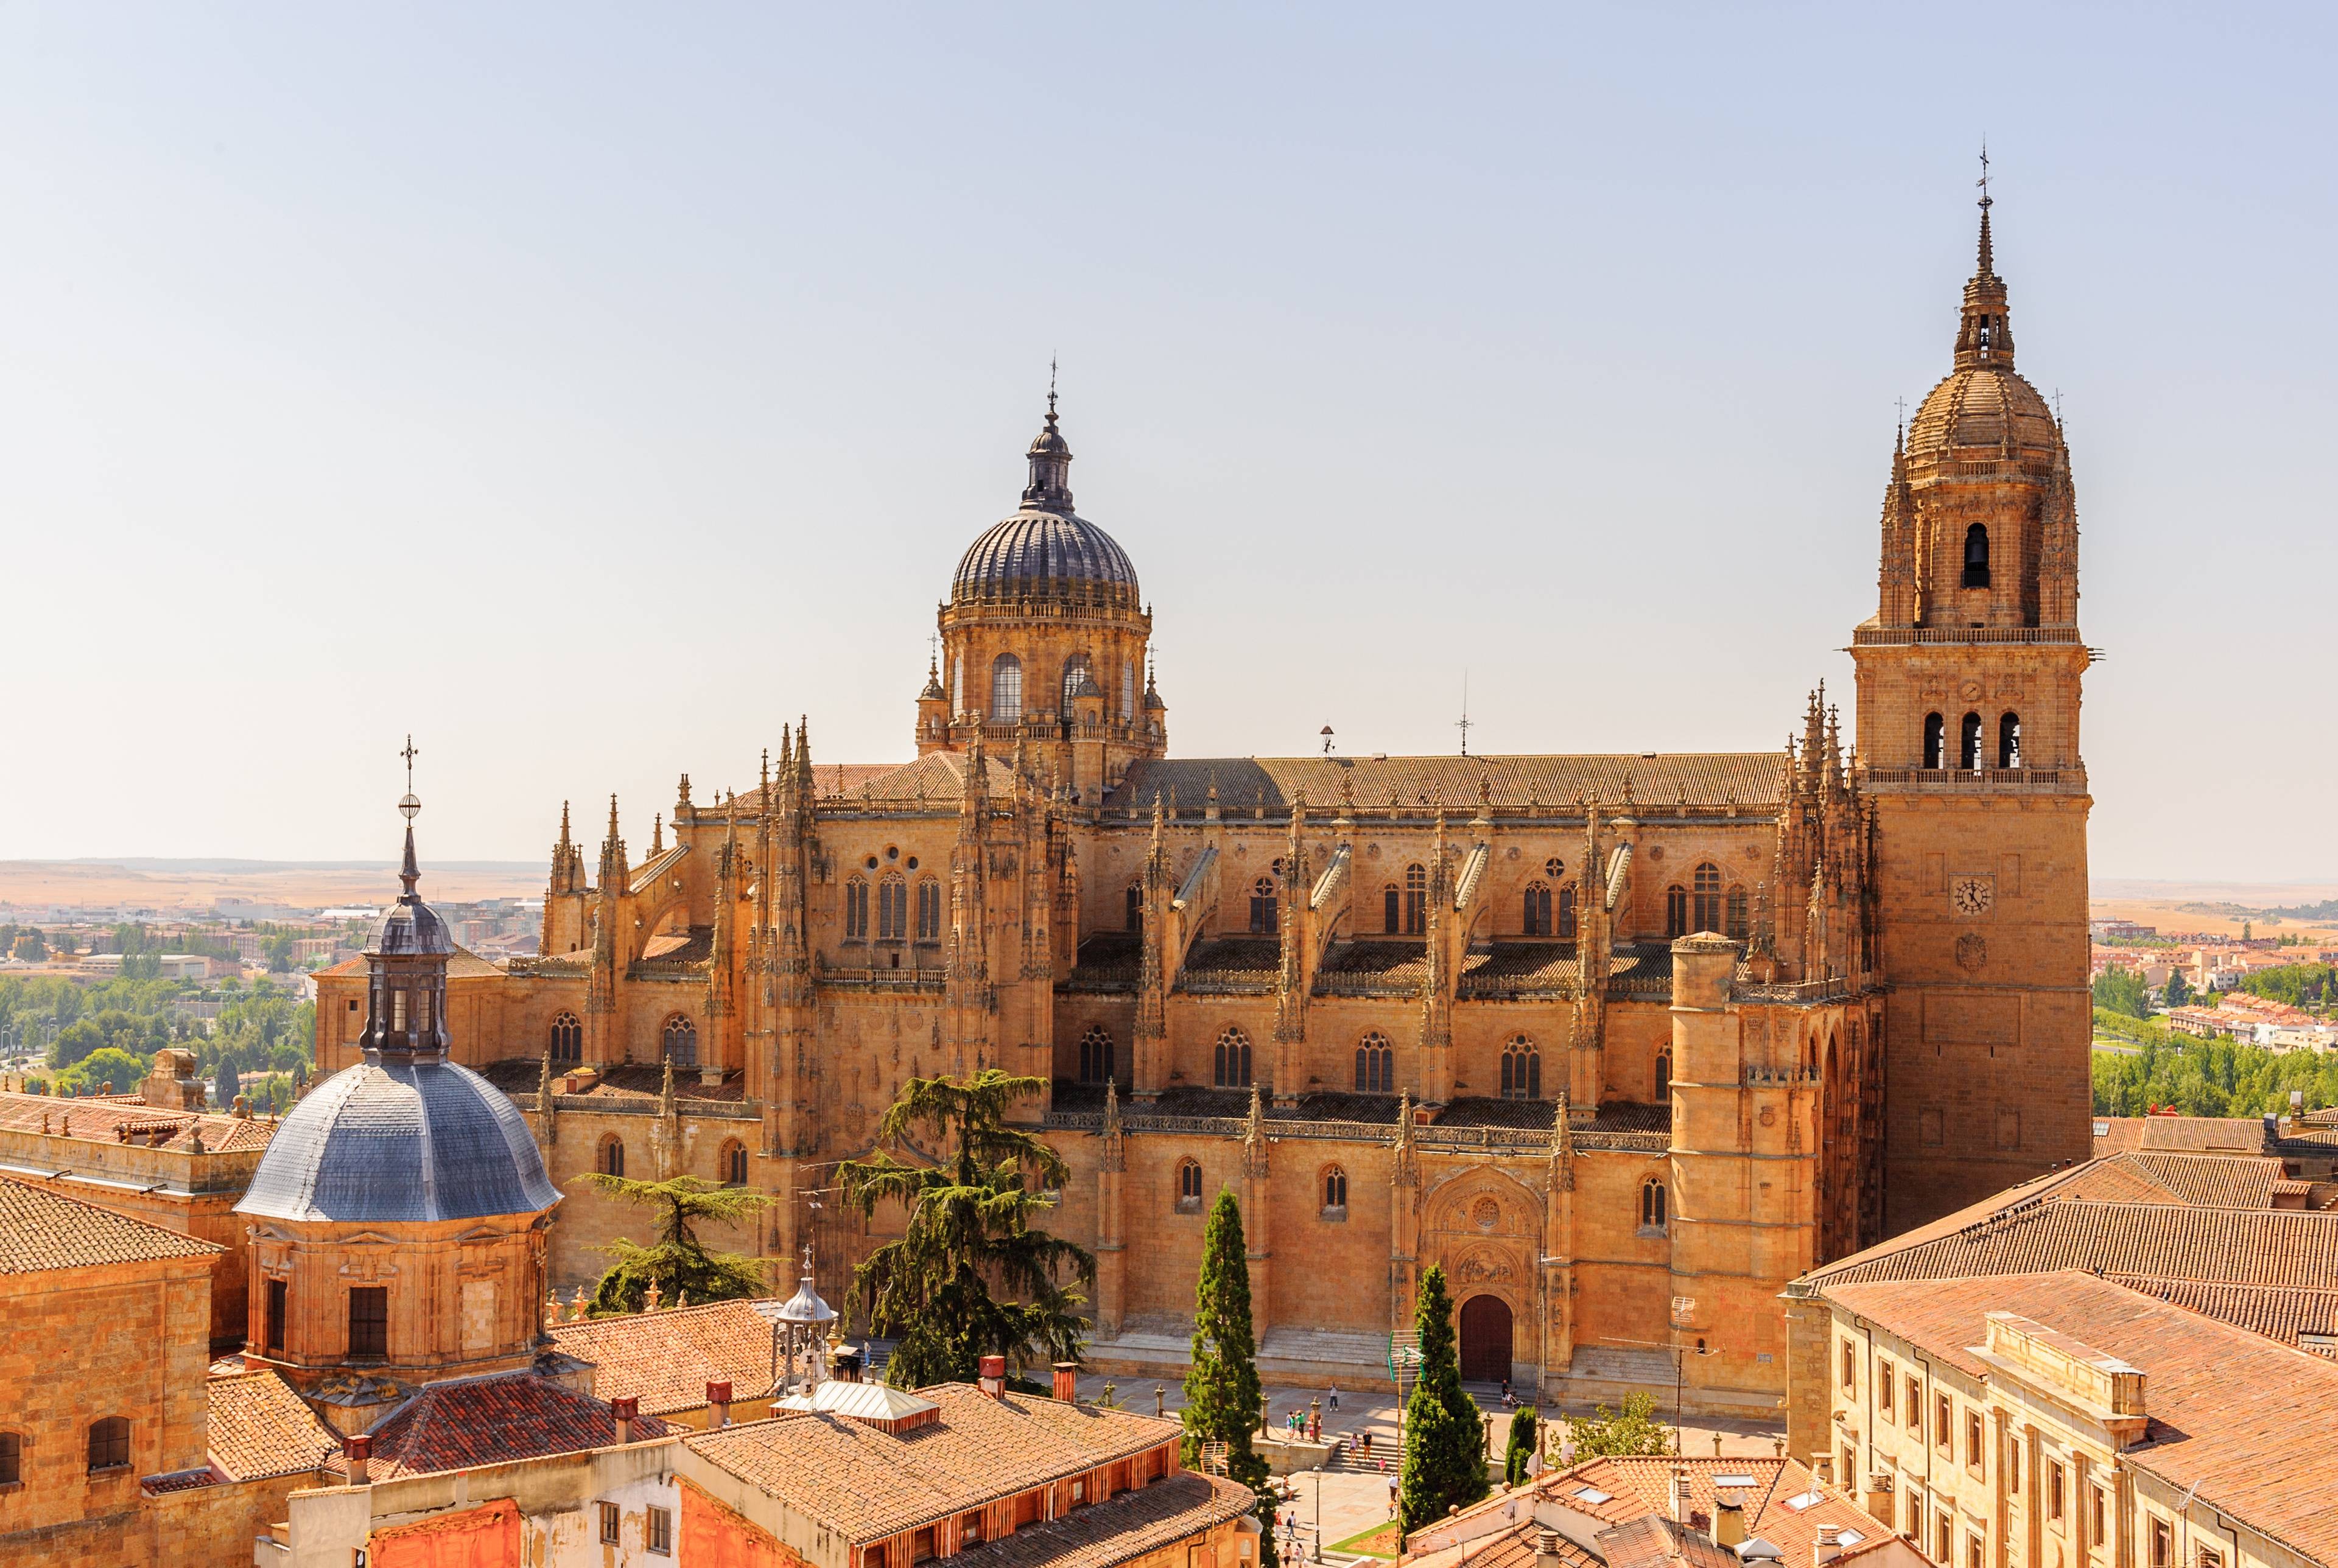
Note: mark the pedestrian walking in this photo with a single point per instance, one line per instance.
(1332, 1397)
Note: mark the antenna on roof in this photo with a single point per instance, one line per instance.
(1462, 723)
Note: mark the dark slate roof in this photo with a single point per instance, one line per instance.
(1708, 778)
(402, 1141)
(1032, 551)
(1405, 958)
(1245, 954)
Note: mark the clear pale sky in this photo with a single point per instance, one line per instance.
(589, 389)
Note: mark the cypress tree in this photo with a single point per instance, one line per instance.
(1525, 1427)
(1223, 1403)
(1444, 1442)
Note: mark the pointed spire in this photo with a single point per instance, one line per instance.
(803, 754)
(1984, 335)
(657, 835)
(562, 840)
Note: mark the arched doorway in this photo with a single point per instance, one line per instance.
(1485, 1339)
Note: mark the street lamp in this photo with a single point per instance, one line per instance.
(1680, 1361)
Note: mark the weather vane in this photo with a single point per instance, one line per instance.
(1051, 386)
(1983, 182)
(1462, 723)
(408, 804)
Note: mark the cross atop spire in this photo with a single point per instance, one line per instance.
(409, 805)
(1988, 267)
(1050, 489)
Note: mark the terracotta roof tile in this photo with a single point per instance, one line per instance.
(40, 1230)
(868, 1484)
(97, 1120)
(2252, 1425)
(1710, 777)
(2181, 1134)
(489, 1420)
(261, 1428)
(1124, 1526)
(665, 1359)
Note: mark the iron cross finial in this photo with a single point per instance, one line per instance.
(407, 803)
(1983, 182)
(1051, 386)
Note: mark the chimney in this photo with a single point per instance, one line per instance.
(1546, 1545)
(1729, 1520)
(994, 1377)
(718, 1404)
(1823, 1469)
(847, 1369)
(1677, 1492)
(1068, 1381)
(625, 1410)
(356, 1450)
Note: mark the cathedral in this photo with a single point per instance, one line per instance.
(1625, 1043)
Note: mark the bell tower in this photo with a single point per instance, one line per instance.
(1969, 680)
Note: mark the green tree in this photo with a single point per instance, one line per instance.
(108, 1070)
(971, 1214)
(678, 1261)
(1524, 1427)
(75, 1041)
(29, 946)
(1444, 1441)
(2123, 991)
(1634, 1429)
(2179, 990)
(1223, 1402)
(229, 1085)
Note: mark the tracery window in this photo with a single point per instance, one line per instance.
(1375, 1064)
(1261, 905)
(1675, 910)
(1969, 749)
(892, 908)
(1977, 556)
(1188, 1184)
(109, 1443)
(1706, 882)
(1664, 1075)
(1653, 1204)
(732, 1163)
(1568, 930)
(1936, 738)
(1739, 925)
(1536, 915)
(1076, 671)
(612, 1160)
(1233, 1058)
(856, 910)
(1335, 1188)
(1096, 1055)
(678, 1041)
(1416, 899)
(2008, 740)
(929, 910)
(1555, 868)
(567, 1039)
(1521, 1069)
(1005, 690)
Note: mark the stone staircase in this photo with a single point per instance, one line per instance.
(1605, 1375)
(1162, 1348)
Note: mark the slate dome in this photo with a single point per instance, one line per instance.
(400, 1140)
(1031, 551)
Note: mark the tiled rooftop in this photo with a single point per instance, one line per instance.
(99, 1121)
(261, 1428)
(491, 1420)
(1128, 1525)
(666, 1358)
(40, 1230)
(2250, 1425)
(1427, 783)
(867, 1484)
(637, 1080)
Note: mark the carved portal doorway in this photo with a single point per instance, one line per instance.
(1485, 1339)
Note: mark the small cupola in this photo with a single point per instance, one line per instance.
(405, 962)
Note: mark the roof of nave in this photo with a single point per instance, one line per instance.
(40, 1230)
(632, 1081)
(260, 1428)
(2241, 1422)
(1703, 777)
(101, 1121)
(665, 1359)
(938, 777)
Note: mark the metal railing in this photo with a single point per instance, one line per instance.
(1951, 636)
(1952, 779)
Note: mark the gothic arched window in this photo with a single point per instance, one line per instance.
(1335, 1189)
(1653, 1204)
(732, 1163)
(1075, 672)
(1416, 899)
(611, 1161)
(1005, 690)
(1936, 739)
(1675, 910)
(1189, 1185)
(1536, 916)
(2008, 740)
(567, 1039)
(1977, 555)
(1375, 1064)
(1096, 1055)
(1738, 924)
(856, 910)
(1567, 925)
(1969, 748)
(1135, 918)
(1233, 1058)
(929, 910)
(1664, 1075)
(678, 1041)
(1521, 1069)
(1128, 689)
(1392, 910)
(1706, 882)
(892, 908)
(1261, 905)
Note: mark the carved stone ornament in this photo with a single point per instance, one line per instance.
(1769, 1115)
(1483, 1267)
(1972, 953)
(1485, 1214)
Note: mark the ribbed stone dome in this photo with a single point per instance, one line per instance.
(1037, 552)
(1975, 409)
(400, 1140)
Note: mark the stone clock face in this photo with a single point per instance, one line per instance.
(1971, 895)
